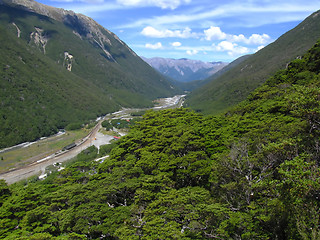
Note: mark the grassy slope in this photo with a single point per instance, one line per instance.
(237, 83)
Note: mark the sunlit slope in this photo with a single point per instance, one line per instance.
(235, 85)
(63, 70)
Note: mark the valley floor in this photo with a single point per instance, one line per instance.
(95, 137)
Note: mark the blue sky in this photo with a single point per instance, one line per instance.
(207, 30)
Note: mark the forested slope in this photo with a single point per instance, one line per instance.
(251, 173)
(234, 85)
(38, 97)
(64, 68)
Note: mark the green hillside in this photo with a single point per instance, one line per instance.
(252, 173)
(235, 85)
(57, 72)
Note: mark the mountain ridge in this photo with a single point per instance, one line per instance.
(98, 73)
(69, 17)
(183, 69)
(235, 85)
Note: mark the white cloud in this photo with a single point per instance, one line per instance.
(232, 49)
(155, 46)
(237, 38)
(192, 52)
(259, 48)
(164, 4)
(225, 46)
(93, 1)
(259, 39)
(152, 32)
(253, 13)
(254, 39)
(214, 33)
(94, 8)
(176, 44)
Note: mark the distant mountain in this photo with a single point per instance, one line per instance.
(184, 70)
(235, 84)
(59, 67)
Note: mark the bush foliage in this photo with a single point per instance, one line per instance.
(251, 173)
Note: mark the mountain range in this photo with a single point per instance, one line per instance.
(59, 67)
(251, 172)
(184, 70)
(234, 85)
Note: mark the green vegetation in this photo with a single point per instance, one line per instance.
(73, 126)
(107, 125)
(39, 95)
(138, 114)
(251, 173)
(106, 149)
(22, 156)
(222, 92)
(119, 123)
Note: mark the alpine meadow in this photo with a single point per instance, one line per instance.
(239, 160)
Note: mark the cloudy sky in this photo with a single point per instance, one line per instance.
(208, 30)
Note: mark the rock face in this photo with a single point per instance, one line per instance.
(40, 38)
(85, 27)
(185, 70)
(68, 58)
(18, 30)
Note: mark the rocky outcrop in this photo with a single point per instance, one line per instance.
(40, 38)
(85, 27)
(18, 30)
(68, 59)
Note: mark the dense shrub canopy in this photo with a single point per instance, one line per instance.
(252, 173)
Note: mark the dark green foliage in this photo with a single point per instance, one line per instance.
(180, 175)
(73, 126)
(38, 95)
(138, 114)
(4, 191)
(222, 92)
(120, 123)
(252, 173)
(106, 124)
(106, 149)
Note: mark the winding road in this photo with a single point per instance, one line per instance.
(38, 167)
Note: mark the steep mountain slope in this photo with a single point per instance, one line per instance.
(184, 70)
(60, 67)
(38, 97)
(252, 173)
(234, 85)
